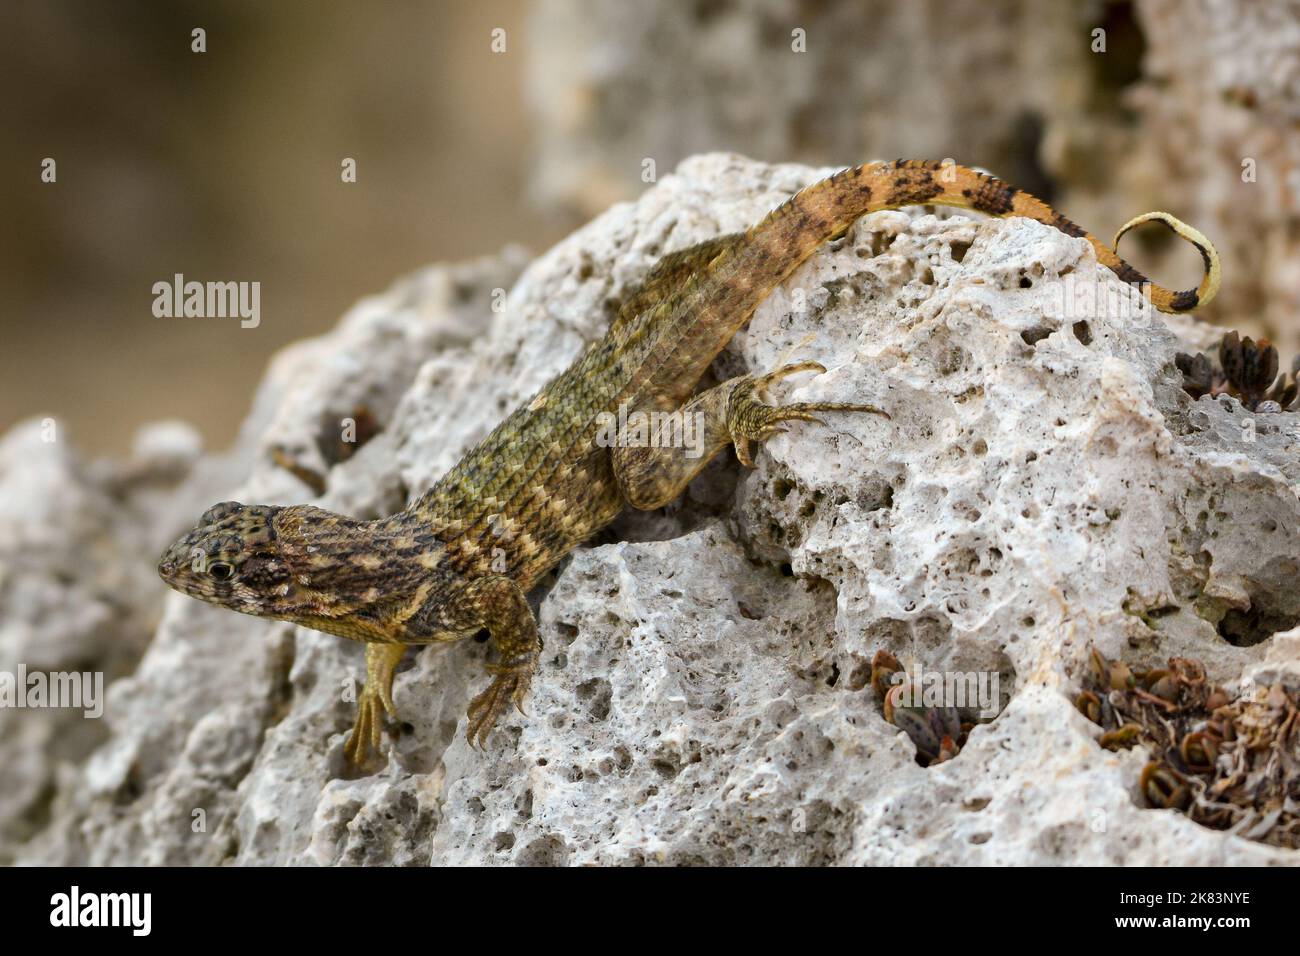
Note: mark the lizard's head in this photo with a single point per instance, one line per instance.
(296, 563)
(232, 558)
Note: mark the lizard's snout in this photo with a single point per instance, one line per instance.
(174, 561)
(169, 565)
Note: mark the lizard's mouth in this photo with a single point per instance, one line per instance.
(172, 566)
(171, 563)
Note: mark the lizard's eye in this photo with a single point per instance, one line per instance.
(221, 571)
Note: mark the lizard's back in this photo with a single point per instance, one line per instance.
(540, 483)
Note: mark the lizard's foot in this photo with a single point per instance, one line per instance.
(749, 418)
(510, 685)
(376, 700)
(367, 731)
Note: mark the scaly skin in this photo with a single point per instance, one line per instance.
(464, 555)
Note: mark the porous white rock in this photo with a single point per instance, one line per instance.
(1042, 485)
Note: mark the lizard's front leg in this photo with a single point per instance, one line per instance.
(495, 603)
(732, 413)
(376, 698)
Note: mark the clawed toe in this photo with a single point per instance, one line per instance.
(509, 685)
(367, 731)
(762, 382)
(795, 413)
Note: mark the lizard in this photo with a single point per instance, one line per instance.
(464, 555)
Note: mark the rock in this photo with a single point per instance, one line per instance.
(77, 590)
(1043, 485)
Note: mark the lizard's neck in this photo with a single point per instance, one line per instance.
(356, 579)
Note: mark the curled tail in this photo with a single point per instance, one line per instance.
(830, 206)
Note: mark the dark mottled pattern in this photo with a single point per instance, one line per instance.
(993, 197)
(1127, 273)
(914, 188)
(1068, 227)
(1205, 257)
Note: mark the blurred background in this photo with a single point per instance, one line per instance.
(225, 165)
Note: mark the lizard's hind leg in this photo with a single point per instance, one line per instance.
(653, 472)
(376, 699)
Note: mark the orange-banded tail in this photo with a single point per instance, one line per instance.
(830, 206)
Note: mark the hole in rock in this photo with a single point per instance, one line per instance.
(1254, 625)
(1036, 334)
